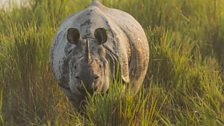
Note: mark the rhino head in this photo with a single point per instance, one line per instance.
(88, 68)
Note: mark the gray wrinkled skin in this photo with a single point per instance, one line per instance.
(84, 62)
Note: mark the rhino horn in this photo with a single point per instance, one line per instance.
(87, 52)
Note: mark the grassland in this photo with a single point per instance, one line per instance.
(184, 85)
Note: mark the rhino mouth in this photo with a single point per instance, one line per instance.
(91, 92)
(86, 92)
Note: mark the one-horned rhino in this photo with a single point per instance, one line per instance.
(90, 43)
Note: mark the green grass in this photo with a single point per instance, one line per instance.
(1, 115)
(184, 84)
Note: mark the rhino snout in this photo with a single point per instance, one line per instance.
(88, 81)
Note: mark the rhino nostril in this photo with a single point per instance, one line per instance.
(77, 77)
(96, 77)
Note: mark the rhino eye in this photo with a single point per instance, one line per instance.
(100, 66)
(69, 51)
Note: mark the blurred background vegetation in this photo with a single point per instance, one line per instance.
(184, 84)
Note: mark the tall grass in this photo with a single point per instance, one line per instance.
(184, 84)
(1, 115)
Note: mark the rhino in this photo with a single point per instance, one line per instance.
(90, 44)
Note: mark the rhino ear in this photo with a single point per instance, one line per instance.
(73, 35)
(101, 35)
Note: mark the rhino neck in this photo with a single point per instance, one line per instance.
(113, 61)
